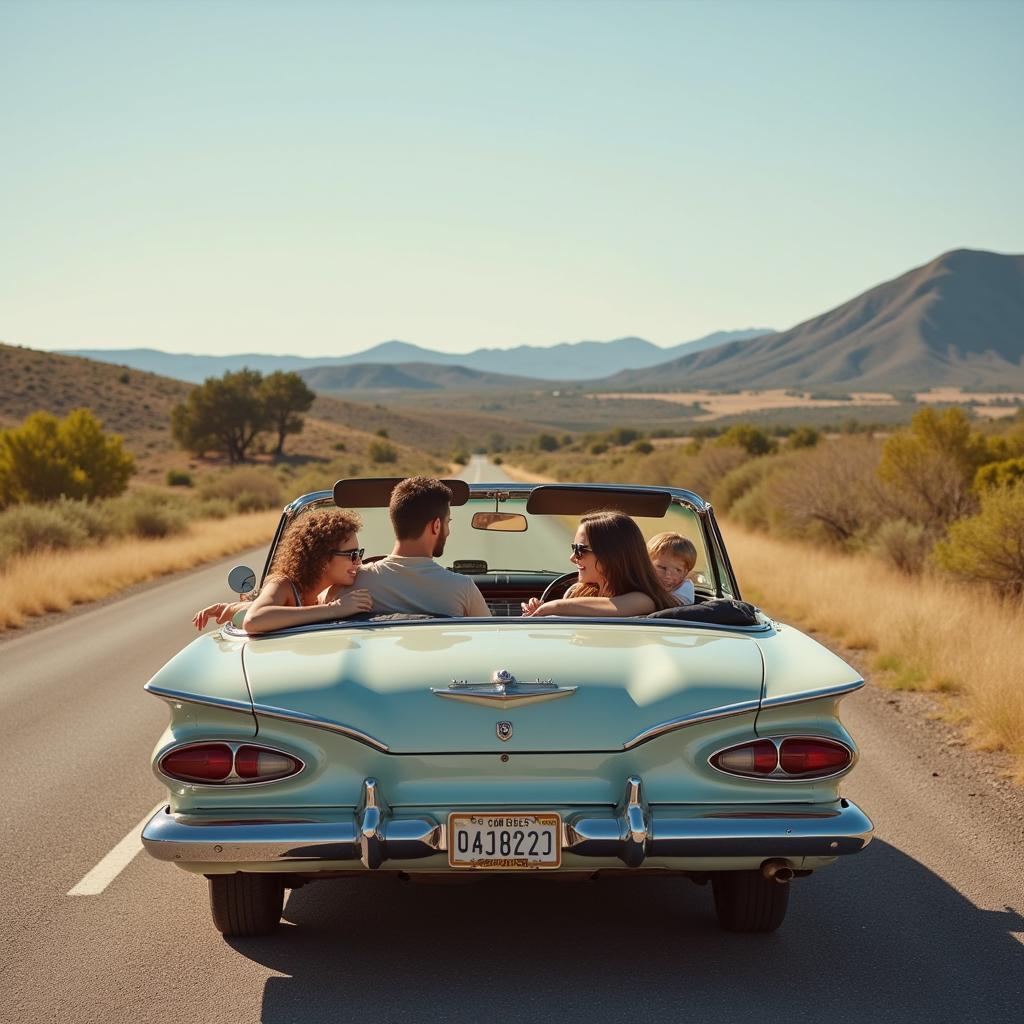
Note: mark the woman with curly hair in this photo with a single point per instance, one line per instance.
(319, 551)
(614, 572)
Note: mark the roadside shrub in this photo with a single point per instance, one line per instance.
(27, 528)
(91, 516)
(738, 481)
(803, 437)
(751, 439)
(598, 449)
(831, 492)
(643, 447)
(381, 451)
(249, 489)
(150, 514)
(547, 443)
(178, 478)
(213, 508)
(988, 547)
(902, 544)
(497, 460)
(999, 474)
(46, 457)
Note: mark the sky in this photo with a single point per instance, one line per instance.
(318, 177)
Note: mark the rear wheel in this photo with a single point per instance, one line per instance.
(246, 904)
(746, 901)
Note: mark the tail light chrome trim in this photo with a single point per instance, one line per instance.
(233, 779)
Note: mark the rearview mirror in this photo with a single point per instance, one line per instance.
(505, 522)
(241, 580)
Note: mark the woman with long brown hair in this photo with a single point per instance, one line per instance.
(614, 572)
(320, 550)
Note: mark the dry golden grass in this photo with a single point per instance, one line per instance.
(49, 581)
(925, 633)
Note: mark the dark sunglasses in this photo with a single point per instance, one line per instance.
(356, 554)
(579, 550)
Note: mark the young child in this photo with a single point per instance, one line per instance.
(673, 557)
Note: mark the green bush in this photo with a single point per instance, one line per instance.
(547, 443)
(902, 543)
(249, 489)
(643, 447)
(803, 437)
(213, 508)
(751, 439)
(44, 458)
(598, 449)
(381, 451)
(27, 528)
(736, 483)
(178, 478)
(150, 514)
(988, 547)
(999, 474)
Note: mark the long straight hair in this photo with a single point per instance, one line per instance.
(619, 547)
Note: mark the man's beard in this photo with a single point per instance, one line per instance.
(439, 547)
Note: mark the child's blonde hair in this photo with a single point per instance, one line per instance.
(673, 544)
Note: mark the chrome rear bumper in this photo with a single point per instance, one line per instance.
(633, 833)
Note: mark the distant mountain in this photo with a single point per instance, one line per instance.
(568, 361)
(417, 376)
(957, 321)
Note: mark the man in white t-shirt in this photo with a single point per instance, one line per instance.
(409, 580)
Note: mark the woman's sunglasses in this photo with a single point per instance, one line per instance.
(356, 554)
(579, 550)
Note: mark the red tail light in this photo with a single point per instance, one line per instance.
(258, 763)
(784, 758)
(228, 764)
(811, 757)
(201, 762)
(758, 758)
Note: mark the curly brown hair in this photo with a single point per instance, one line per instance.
(303, 553)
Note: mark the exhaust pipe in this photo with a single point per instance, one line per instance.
(778, 870)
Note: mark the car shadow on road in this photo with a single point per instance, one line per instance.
(875, 935)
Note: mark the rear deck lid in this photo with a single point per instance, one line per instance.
(432, 687)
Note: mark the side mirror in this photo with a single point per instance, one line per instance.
(504, 522)
(242, 580)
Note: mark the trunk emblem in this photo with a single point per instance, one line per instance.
(503, 688)
(504, 730)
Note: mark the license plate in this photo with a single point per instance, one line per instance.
(500, 841)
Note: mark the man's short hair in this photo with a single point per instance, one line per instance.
(415, 502)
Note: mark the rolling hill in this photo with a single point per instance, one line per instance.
(406, 376)
(568, 361)
(957, 321)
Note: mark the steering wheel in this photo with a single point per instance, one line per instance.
(562, 581)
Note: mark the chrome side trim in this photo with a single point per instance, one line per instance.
(801, 698)
(315, 722)
(726, 711)
(180, 697)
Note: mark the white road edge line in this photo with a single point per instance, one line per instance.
(116, 861)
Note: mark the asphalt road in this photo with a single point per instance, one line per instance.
(927, 924)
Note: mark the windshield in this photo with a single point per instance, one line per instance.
(542, 547)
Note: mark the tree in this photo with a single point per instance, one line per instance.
(989, 547)
(930, 467)
(751, 439)
(225, 413)
(285, 395)
(45, 457)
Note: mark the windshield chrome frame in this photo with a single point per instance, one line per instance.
(713, 544)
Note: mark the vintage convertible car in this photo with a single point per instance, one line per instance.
(703, 743)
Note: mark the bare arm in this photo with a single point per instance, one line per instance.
(622, 605)
(275, 608)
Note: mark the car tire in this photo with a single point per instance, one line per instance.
(246, 904)
(746, 901)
